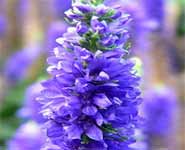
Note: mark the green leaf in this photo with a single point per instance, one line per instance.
(85, 139)
(110, 13)
(97, 2)
(127, 45)
(108, 128)
(7, 128)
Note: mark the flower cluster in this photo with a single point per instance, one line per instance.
(91, 100)
(96, 27)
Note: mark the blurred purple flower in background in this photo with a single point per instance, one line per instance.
(155, 10)
(31, 108)
(17, 66)
(55, 30)
(27, 137)
(60, 6)
(160, 109)
(140, 26)
(3, 19)
(3, 25)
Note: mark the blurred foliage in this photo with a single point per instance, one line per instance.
(9, 121)
(12, 102)
(181, 22)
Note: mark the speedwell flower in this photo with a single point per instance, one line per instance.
(91, 100)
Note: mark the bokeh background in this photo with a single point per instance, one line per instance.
(28, 29)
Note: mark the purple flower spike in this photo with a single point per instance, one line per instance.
(91, 100)
(96, 95)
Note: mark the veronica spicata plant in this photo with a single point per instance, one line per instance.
(91, 99)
